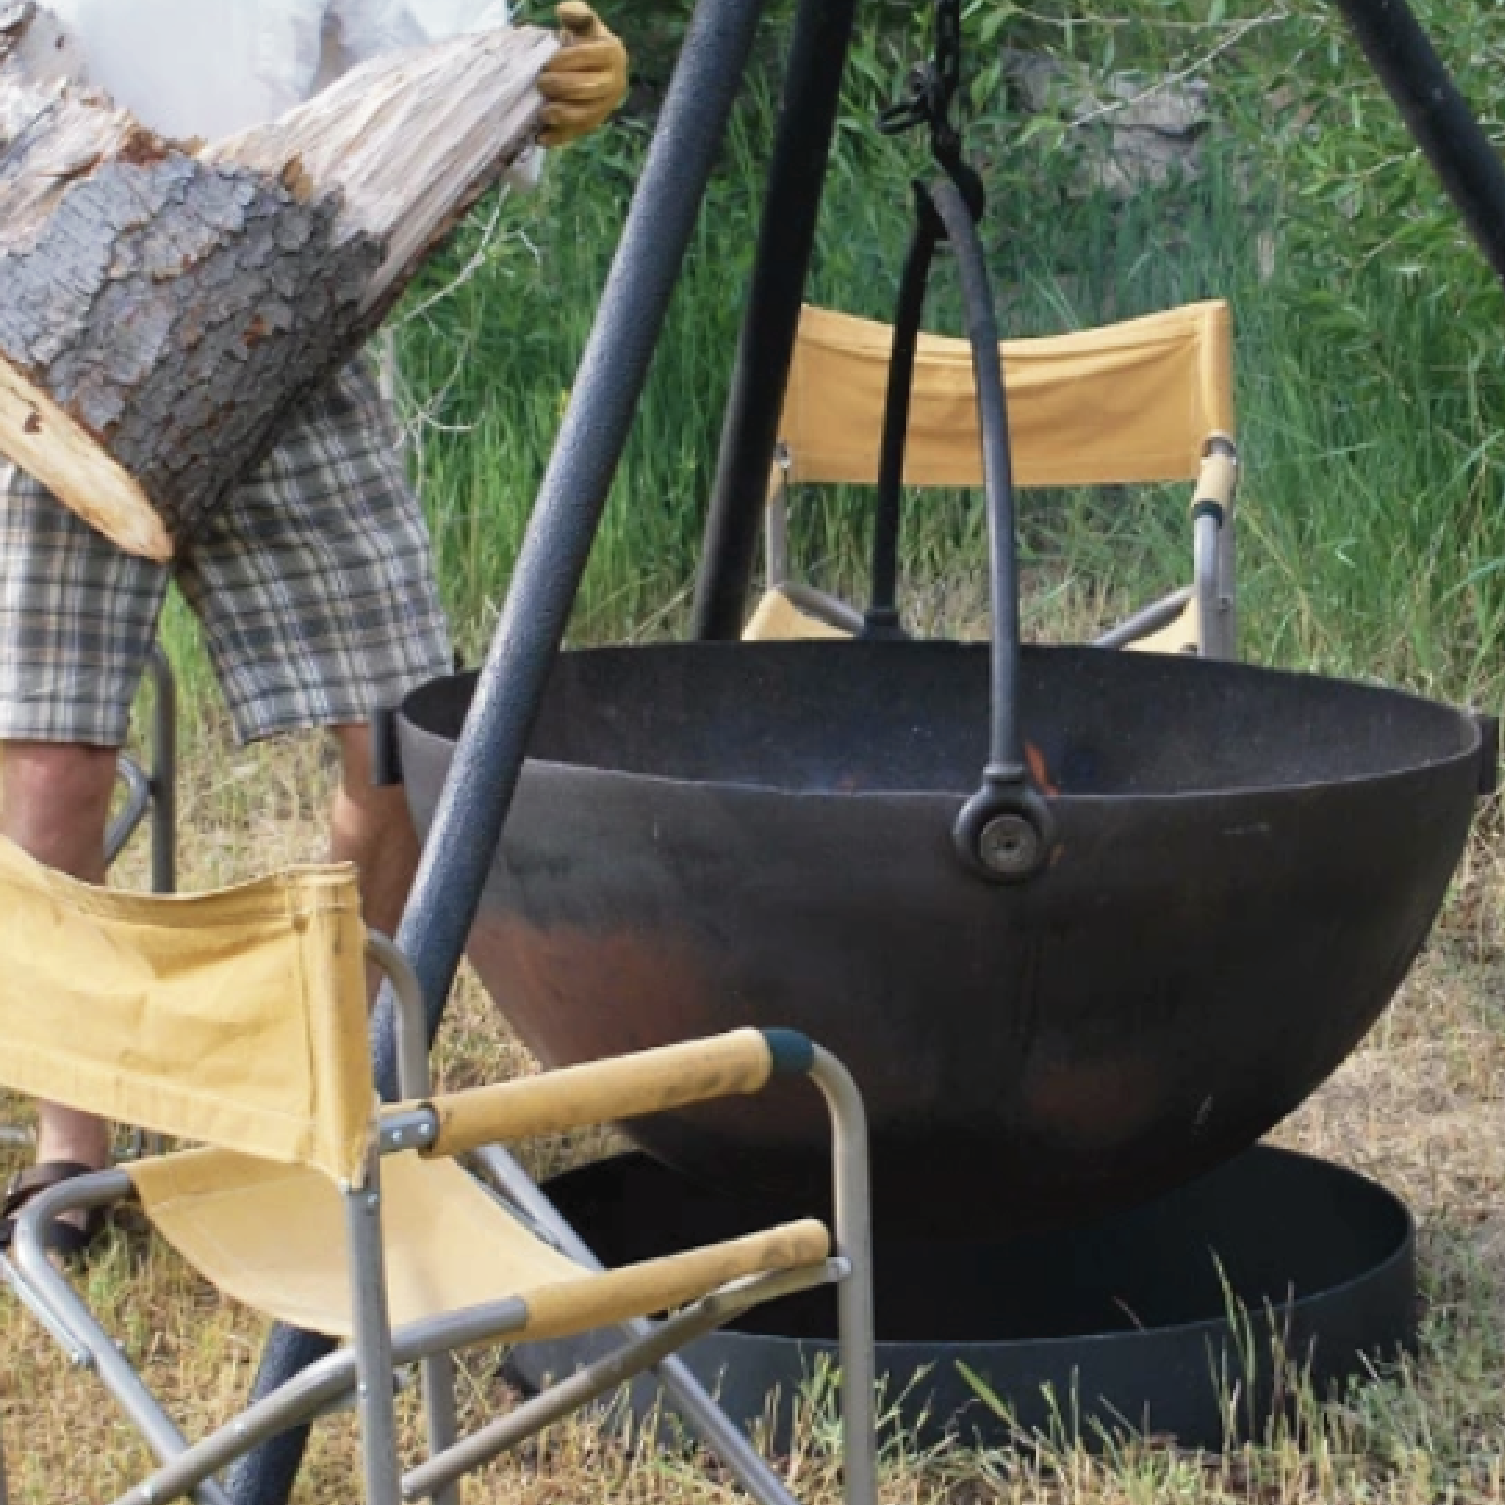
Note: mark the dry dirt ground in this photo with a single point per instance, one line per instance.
(1419, 1106)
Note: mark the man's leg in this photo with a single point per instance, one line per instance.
(318, 598)
(55, 803)
(370, 826)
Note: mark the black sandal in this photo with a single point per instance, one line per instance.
(67, 1240)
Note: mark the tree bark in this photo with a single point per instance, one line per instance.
(164, 305)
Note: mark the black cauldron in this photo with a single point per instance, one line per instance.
(1244, 864)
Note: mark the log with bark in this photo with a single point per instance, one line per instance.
(165, 304)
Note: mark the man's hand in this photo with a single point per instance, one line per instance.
(585, 80)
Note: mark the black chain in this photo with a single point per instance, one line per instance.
(930, 96)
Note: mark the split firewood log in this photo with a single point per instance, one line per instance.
(165, 304)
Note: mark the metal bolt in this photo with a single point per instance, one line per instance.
(1008, 845)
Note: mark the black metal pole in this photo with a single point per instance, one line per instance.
(786, 235)
(882, 615)
(1437, 115)
(489, 756)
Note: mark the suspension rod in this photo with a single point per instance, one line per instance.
(786, 236)
(1437, 115)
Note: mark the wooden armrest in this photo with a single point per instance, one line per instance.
(648, 1081)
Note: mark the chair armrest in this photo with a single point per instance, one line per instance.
(650, 1081)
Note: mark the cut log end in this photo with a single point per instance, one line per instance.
(44, 441)
(165, 307)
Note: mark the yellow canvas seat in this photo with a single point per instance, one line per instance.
(273, 1237)
(237, 1019)
(1143, 400)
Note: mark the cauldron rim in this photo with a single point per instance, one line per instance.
(1224, 794)
(1471, 740)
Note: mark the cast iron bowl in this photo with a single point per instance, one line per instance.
(712, 835)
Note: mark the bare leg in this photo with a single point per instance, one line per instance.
(55, 802)
(371, 827)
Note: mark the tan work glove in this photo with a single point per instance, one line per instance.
(585, 80)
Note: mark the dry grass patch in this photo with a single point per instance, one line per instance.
(1419, 1106)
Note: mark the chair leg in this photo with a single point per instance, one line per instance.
(439, 1417)
(372, 1340)
(1206, 558)
(164, 773)
(82, 1329)
(1228, 586)
(854, 1297)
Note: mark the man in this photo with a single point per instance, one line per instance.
(314, 582)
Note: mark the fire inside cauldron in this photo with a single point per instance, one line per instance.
(1244, 865)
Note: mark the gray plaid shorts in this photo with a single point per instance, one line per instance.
(313, 580)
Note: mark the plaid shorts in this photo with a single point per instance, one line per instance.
(313, 580)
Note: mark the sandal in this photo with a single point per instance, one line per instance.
(67, 1240)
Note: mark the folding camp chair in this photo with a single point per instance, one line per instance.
(238, 1019)
(1146, 399)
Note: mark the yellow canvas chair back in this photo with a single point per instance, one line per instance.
(1127, 402)
(1143, 400)
(241, 1023)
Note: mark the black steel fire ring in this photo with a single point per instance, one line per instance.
(1118, 1327)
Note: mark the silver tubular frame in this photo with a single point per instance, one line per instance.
(372, 1338)
(854, 1296)
(154, 790)
(1228, 569)
(823, 606)
(54, 1292)
(1213, 565)
(1214, 578)
(440, 1423)
(187, 1468)
(776, 520)
(1147, 619)
(1207, 562)
(73, 1347)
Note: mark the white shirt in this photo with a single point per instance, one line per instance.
(213, 67)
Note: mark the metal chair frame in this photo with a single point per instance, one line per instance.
(152, 789)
